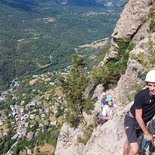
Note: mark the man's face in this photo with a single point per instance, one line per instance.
(104, 96)
(110, 103)
(151, 87)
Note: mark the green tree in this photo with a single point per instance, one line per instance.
(73, 87)
(100, 74)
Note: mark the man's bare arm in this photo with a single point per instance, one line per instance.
(138, 115)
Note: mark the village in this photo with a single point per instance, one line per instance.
(27, 120)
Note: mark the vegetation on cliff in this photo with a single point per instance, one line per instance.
(73, 87)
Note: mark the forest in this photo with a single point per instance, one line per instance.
(37, 36)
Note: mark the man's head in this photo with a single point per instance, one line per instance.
(103, 94)
(109, 101)
(150, 79)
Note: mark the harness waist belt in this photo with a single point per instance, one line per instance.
(130, 114)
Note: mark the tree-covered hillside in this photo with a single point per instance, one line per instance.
(40, 35)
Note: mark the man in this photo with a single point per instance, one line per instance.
(141, 112)
(103, 102)
(106, 111)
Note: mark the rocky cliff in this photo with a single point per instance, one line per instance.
(135, 24)
(131, 22)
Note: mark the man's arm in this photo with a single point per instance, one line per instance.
(138, 115)
(106, 117)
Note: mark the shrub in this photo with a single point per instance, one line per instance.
(117, 65)
(100, 74)
(152, 25)
(142, 37)
(73, 118)
(151, 14)
(87, 132)
(152, 51)
(140, 58)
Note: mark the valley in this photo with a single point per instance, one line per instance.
(37, 33)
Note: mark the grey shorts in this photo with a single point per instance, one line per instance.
(132, 129)
(101, 121)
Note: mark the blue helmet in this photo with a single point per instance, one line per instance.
(108, 99)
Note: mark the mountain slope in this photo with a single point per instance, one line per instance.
(32, 35)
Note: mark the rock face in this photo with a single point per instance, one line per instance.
(140, 61)
(109, 138)
(133, 25)
(133, 17)
(67, 141)
(107, 135)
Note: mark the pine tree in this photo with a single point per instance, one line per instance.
(73, 87)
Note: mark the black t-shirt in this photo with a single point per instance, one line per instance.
(144, 101)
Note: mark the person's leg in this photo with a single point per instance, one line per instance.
(131, 144)
(126, 148)
(133, 149)
(130, 149)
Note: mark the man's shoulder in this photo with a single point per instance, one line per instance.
(105, 107)
(143, 92)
